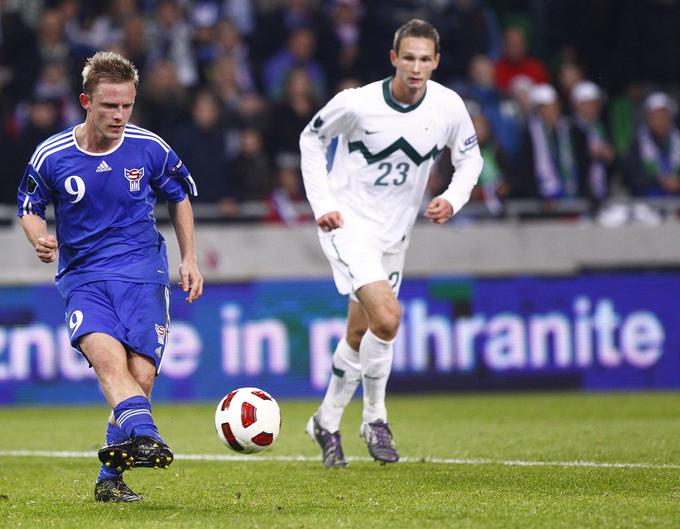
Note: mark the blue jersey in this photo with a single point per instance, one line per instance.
(104, 205)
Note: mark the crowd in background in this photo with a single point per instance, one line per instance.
(570, 98)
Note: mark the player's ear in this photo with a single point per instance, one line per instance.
(85, 101)
(436, 61)
(393, 58)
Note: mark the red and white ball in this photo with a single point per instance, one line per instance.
(248, 420)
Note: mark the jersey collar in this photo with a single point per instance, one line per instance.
(112, 149)
(387, 95)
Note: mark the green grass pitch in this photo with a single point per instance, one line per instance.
(471, 462)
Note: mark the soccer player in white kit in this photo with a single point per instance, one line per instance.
(389, 135)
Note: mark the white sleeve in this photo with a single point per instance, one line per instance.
(465, 158)
(333, 119)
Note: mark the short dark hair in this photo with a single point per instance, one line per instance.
(416, 28)
(106, 66)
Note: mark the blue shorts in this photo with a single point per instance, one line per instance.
(135, 314)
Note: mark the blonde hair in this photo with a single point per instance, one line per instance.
(107, 66)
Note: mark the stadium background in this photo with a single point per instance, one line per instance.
(541, 293)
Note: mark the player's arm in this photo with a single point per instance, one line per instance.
(333, 119)
(45, 244)
(32, 198)
(174, 182)
(468, 163)
(182, 216)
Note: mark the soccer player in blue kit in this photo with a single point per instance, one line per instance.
(101, 177)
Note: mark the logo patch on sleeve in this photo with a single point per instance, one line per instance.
(31, 185)
(469, 143)
(176, 167)
(318, 123)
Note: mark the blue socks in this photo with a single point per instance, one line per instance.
(133, 416)
(114, 435)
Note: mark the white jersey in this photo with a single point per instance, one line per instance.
(384, 155)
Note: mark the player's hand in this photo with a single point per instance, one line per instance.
(330, 221)
(439, 210)
(191, 280)
(46, 248)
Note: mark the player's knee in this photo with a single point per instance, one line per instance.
(385, 325)
(354, 336)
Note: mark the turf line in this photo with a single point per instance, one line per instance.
(315, 459)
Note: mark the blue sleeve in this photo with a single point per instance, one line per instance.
(174, 181)
(33, 194)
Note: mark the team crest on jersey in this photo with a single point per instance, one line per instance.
(160, 331)
(134, 176)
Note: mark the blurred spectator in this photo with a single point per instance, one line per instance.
(200, 144)
(52, 43)
(254, 112)
(230, 43)
(547, 167)
(19, 60)
(298, 53)
(468, 28)
(292, 114)
(42, 121)
(280, 23)
(287, 203)
(132, 43)
(170, 37)
(624, 117)
(569, 74)
(516, 61)
(520, 91)
(241, 13)
(503, 113)
(339, 41)
(163, 101)
(492, 186)
(111, 19)
(204, 20)
(252, 170)
(595, 155)
(54, 84)
(223, 79)
(85, 31)
(653, 164)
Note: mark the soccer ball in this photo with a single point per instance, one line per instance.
(247, 420)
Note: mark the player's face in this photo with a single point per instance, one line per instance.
(109, 108)
(414, 63)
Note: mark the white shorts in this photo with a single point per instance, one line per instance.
(357, 261)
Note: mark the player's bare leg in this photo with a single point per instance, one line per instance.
(324, 427)
(383, 313)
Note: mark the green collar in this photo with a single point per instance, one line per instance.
(387, 94)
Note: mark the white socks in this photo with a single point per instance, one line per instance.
(376, 362)
(345, 378)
